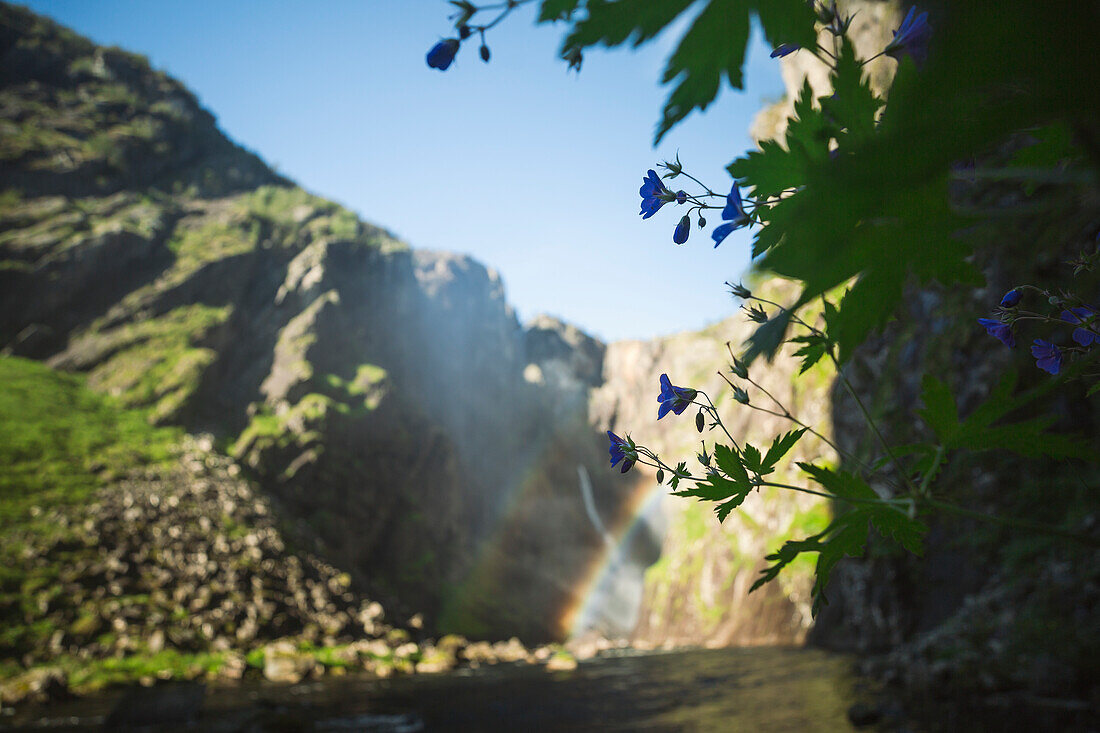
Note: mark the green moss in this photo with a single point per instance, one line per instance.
(89, 676)
(57, 439)
(158, 363)
(210, 241)
(363, 392)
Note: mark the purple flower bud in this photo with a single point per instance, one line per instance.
(785, 49)
(1012, 298)
(443, 53)
(682, 230)
(484, 52)
(681, 197)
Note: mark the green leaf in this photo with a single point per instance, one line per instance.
(811, 352)
(780, 447)
(714, 47)
(614, 22)
(777, 168)
(1093, 389)
(785, 556)
(750, 457)
(715, 488)
(556, 9)
(895, 524)
(723, 510)
(853, 106)
(842, 484)
(940, 411)
(766, 339)
(1027, 437)
(847, 535)
(730, 464)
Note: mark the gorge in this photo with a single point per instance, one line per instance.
(246, 429)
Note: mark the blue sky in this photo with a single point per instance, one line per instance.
(532, 170)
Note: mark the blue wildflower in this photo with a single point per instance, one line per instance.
(911, 37)
(1012, 298)
(1002, 331)
(785, 49)
(1048, 357)
(682, 230)
(443, 53)
(673, 398)
(1081, 316)
(621, 450)
(654, 194)
(734, 214)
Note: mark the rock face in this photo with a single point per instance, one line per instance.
(409, 429)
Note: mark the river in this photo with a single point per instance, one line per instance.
(749, 689)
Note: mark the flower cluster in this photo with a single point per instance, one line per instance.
(1048, 356)
(656, 194)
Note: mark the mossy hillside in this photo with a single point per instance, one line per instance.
(60, 443)
(109, 528)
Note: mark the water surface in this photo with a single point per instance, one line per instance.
(757, 689)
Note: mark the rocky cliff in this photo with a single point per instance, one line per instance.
(406, 426)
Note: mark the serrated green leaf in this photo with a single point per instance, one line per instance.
(723, 510)
(895, 524)
(715, 488)
(556, 9)
(781, 446)
(811, 353)
(715, 45)
(777, 168)
(614, 22)
(751, 458)
(785, 556)
(940, 411)
(730, 464)
(767, 338)
(842, 484)
(847, 535)
(852, 106)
